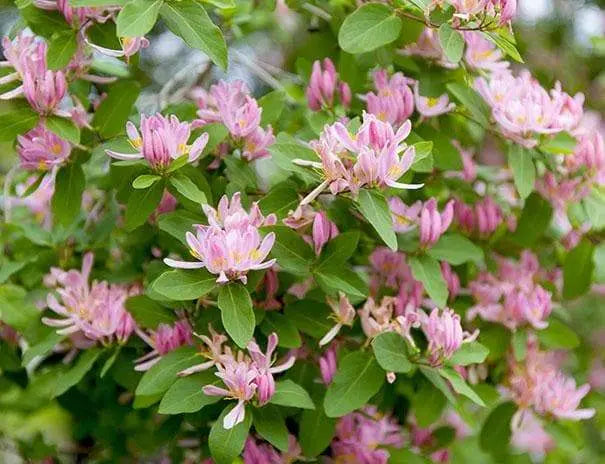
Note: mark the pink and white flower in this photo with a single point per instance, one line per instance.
(324, 85)
(41, 149)
(164, 339)
(393, 101)
(429, 107)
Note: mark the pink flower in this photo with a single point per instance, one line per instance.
(239, 379)
(257, 452)
(376, 319)
(451, 278)
(213, 351)
(482, 54)
(590, 155)
(404, 217)
(523, 109)
(163, 140)
(264, 365)
(130, 46)
(164, 339)
(444, 334)
(323, 231)
(531, 437)
(343, 314)
(327, 365)
(370, 158)
(43, 91)
(482, 218)
(40, 149)
(428, 46)
(75, 16)
(511, 296)
(256, 143)
(271, 286)
(393, 101)
(324, 85)
(231, 244)
(37, 202)
(430, 107)
(97, 311)
(432, 223)
(362, 437)
(25, 53)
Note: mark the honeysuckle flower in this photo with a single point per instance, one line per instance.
(40, 149)
(570, 109)
(589, 154)
(25, 54)
(162, 140)
(376, 319)
(265, 369)
(323, 231)
(42, 90)
(538, 383)
(430, 107)
(37, 202)
(328, 365)
(451, 279)
(444, 334)
(432, 223)
(405, 218)
(324, 85)
(389, 267)
(239, 378)
(482, 218)
(343, 314)
(375, 156)
(511, 296)
(76, 16)
(256, 143)
(212, 351)
(506, 8)
(95, 310)
(130, 46)
(523, 109)
(231, 244)
(529, 436)
(164, 339)
(271, 286)
(362, 437)
(393, 101)
(299, 218)
(257, 452)
(480, 53)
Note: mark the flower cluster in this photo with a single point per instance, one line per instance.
(230, 103)
(247, 377)
(324, 85)
(230, 245)
(93, 310)
(164, 339)
(512, 296)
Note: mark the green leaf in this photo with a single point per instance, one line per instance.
(310, 317)
(504, 44)
(496, 431)
(369, 27)
(79, 3)
(138, 17)
(472, 101)
(111, 115)
(70, 378)
(451, 42)
(226, 445)
(469, 353)
(283, 327)
(435, 378)
(285, 149)
(240, 173)
(110, 361)
(188, 19)
(459, 385)
(521, 163)
(236, 312)
(270, 425)
(561, 143)
(359, 377)
(391, 352)
(186, 395)
(16, 118)
(338, 278)
(280, 200)
(288, 393)
(293, 254)
(338, 250)
(148, 313)
(141, 204)
(64, 128)
(163, 374)
(188, 189)
(456, 249)
(535, 219)
(67, 199)
(427, 270)
(177, 223)
(519, 344)
(445, 155)
(558, 336)
(316, 431)
(61, 48)
(145, 180)
(185, 284)
(577, 270)
(375, 209)
(428, 403)
(42, 347)
(272, 103)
